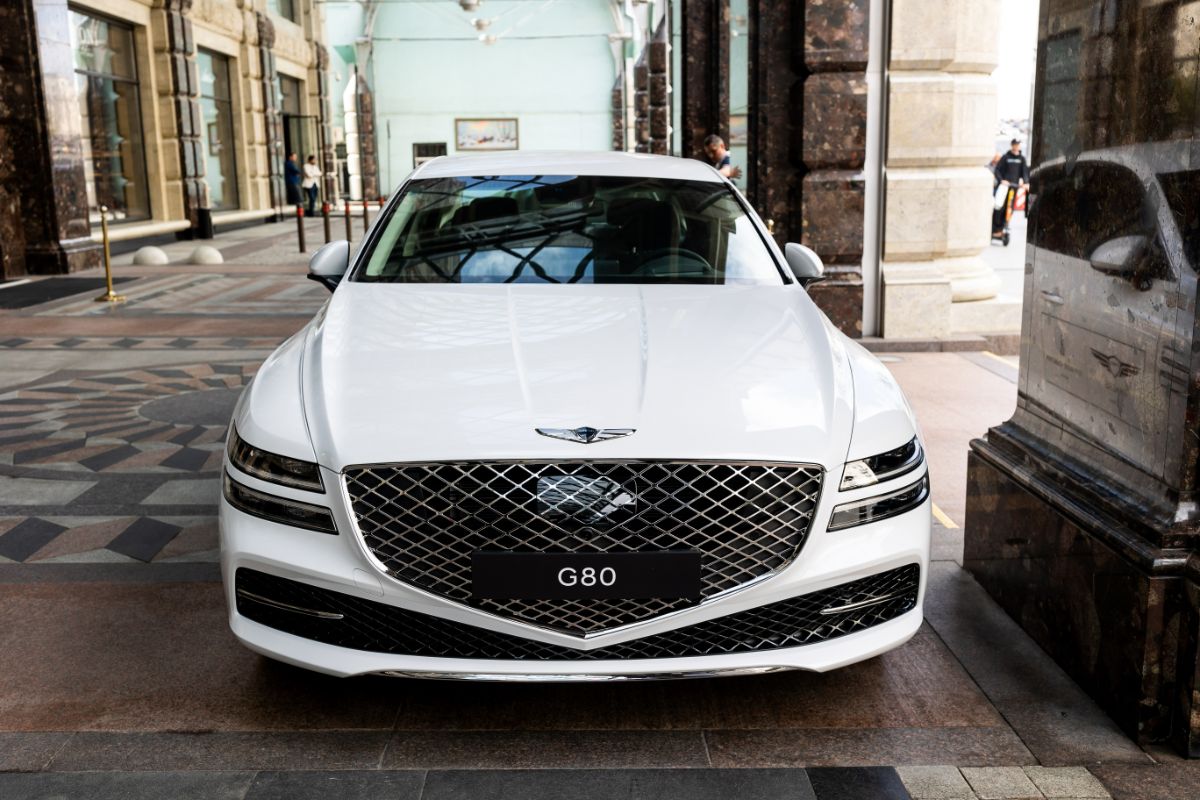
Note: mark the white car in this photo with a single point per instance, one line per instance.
(572, 416)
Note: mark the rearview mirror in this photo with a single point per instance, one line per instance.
(329, 264)
(1119, 256)
(804, 263)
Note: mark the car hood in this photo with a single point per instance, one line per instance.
(444, 373)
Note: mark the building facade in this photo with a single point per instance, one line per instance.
(174, 115)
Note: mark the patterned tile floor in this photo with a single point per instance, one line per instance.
(122, 679)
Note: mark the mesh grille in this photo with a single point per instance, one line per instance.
(423, 522)
(375, 627)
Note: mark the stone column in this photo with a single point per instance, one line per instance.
(833, 151)
(941, 121)
(641, 104)
(618, 114)
(366, 133)
(658, 61)
(179, 87)
(272, 120)
(328, 162)
(705, 78)
(43, 200)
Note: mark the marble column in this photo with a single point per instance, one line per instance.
(366, 133)
(705, 73)
(1083, 510)
(272, 118)
(658, 90)
(180, 89)
(328, 161)
(806, 138)
(43, 200)
(833, 152)
(618, 114)
(641, 103)
(941, 122)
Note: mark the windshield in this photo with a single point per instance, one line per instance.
(568, 229)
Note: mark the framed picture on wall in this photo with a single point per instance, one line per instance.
(486, 134)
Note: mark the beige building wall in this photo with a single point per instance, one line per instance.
(228, 27)
(937, 204)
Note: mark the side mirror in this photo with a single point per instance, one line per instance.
(1119, 256)
(329, 264)
(804, 263)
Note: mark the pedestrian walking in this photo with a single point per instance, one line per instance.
(718, 157)
(1010, 173)
(291, 179)
(311, 184)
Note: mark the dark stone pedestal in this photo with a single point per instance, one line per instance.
(1083, 510)
(1110, 608)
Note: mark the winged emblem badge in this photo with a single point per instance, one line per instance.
(1116, 367)
(585, 435)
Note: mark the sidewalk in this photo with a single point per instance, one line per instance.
(122, 679)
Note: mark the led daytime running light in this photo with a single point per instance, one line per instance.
(278, 509)
(883, 506)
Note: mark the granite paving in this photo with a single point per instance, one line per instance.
(121, 678)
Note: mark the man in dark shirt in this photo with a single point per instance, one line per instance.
(291, 177)
(1012, 171)
(718, 157)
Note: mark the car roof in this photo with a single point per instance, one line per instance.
(567, 162)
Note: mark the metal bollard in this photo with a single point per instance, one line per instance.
(325, 217)
(300, 225)
(346, 208)
(381, 202)
(110, 296)
(366, 221)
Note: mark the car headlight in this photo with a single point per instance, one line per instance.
(873, 509)
(883, 467)
(278, 509)
(274, 468)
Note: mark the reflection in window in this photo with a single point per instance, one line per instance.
(569, 229)
(106, 78)
(1182, 190)
(1081, 209)
(216, 108)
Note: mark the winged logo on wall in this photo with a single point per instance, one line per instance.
(1116, 367)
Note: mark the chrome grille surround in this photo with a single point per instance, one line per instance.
(421, 522)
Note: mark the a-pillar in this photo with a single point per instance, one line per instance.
(941, 121)
(43, 199)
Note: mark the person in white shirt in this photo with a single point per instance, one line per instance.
(310, 184)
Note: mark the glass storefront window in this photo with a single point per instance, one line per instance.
(113, 155)
(216, 108)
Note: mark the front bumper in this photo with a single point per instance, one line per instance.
(338, 564)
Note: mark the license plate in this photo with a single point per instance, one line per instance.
(668, 574)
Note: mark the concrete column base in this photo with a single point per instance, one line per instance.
(916, 300)
(970, 279)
